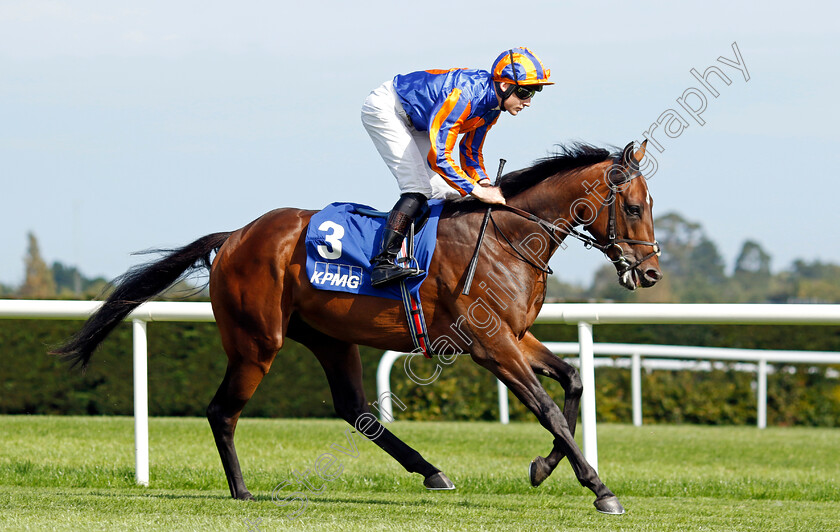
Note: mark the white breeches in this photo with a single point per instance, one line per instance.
(403, 148)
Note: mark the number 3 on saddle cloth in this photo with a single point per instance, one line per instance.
(341, 240)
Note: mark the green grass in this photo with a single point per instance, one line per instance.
(77, 473)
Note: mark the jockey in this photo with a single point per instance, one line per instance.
(414, 121)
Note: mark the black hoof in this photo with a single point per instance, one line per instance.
(609, 505)
(245, 496)
(538, 471)
(438, 481)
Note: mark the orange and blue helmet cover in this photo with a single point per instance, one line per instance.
(520, 66)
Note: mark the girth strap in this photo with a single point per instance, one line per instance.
(416, 322)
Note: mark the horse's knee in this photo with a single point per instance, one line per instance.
(575, 387)
(349, 413)
(569, 378)
(218, 419)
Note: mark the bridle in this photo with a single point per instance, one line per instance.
(588, 241)
(612, 241)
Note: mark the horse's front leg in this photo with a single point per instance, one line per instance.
(544, 362)
(505, 360)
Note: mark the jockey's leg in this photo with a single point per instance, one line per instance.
(385, 269)
(404, 150)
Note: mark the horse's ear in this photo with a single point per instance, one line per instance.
(640, 153)
(627, 155)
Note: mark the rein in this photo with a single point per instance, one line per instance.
(547, 270)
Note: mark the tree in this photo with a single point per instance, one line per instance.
(690, 260)
(816, 281)
(557, 290)
(677, 237)
(67, 279)
(70, 281)
(752, 275)
(706, 262)
(39, 282)
(605, 285)
(752, 259)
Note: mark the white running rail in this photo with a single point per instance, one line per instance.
(584, 315)
(666, 357)
(152, 311)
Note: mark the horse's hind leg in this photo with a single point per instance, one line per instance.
(544, 362)
(343, 368)
(247, 365)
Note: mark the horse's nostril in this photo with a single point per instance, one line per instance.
(653, 275)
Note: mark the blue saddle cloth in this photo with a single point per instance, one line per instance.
(341, 242)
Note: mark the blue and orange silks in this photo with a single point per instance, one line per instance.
(448, 103)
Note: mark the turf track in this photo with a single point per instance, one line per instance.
(76, 473)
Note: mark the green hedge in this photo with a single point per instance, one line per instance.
(186, 365)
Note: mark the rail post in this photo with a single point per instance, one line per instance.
(636, 383)
(587, 377)
(762, 393)
(141, 404)
(504, 412)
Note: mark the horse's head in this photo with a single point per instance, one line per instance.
(623, 223)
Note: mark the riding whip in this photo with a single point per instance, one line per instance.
(474, 260)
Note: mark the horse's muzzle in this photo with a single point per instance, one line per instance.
(650, 276)
(635, 277)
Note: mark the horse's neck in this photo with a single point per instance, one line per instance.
(555, 198)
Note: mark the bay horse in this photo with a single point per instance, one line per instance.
(261, 295)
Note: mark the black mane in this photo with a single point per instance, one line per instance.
(567, 158)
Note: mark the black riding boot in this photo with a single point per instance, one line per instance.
(385, 269)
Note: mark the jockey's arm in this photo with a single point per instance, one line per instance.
(443, 134)
(472, 158)
(444, 130)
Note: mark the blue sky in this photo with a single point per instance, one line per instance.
(130, 126)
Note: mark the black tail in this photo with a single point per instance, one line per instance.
(134, 288)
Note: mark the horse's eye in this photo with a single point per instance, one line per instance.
(633, 210)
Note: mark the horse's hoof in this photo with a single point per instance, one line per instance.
(538, 471)
(245, 496)
(609, 505)
(438, 481)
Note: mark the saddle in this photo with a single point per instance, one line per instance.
(373, 213)
(340, 242)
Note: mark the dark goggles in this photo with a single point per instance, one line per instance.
(523, 92)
